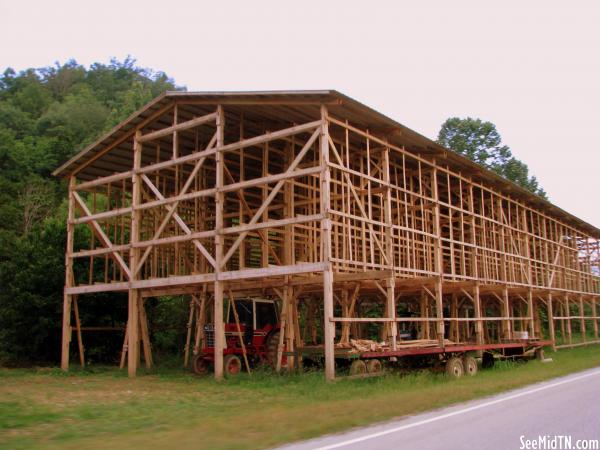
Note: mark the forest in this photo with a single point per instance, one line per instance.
(46, 116)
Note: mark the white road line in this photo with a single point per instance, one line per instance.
(456, 413)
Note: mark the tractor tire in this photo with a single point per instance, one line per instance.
(374, 366)
(232, 365)
(470, 365)
(199, 365)
(358, 367)
(454, 367)
(271, 346)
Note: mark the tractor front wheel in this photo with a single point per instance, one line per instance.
(199, 365)
(232, 365)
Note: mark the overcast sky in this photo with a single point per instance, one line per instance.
(532, 68)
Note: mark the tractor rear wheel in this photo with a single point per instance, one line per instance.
(271, 346)
(454, 367)
(374, 366)
(470, 365)
(199, 365)
(358, 367)
(232, 365)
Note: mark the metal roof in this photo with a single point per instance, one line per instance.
(304, 104)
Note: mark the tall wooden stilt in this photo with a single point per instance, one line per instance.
(134, 294)
(145, 334)
(477, 309)
(69, 281)
(550, 309)
(78, 330)
(328, 325)
(219, 239)
(188, 336)
(506, 323)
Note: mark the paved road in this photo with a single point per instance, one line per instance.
(564, 406)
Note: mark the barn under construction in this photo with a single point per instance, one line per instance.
(344, 217)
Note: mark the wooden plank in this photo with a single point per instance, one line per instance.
(328, 326)
(134, 298)
(197, 121)
(69, 280)
(219, 242)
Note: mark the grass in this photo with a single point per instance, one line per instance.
(101, 407)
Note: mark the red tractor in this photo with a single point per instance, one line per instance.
(258, 329)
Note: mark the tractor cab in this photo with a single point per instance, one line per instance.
(256, 317)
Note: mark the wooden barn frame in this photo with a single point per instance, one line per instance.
(315, 199)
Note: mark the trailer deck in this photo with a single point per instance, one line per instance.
(346, 353)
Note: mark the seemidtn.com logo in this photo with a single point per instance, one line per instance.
(558, 442)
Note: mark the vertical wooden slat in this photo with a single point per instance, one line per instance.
(219, 240)
(328, 326)
(134, 294)
(69, 279)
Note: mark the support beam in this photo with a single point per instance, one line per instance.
(134, 299)
(328, 326)
(69, 280)
(219, 241)
(551, 331)
(478, 316)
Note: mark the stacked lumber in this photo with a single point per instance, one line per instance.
(368, 345)
(364, 345)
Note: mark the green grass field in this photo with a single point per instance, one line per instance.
(102, 408)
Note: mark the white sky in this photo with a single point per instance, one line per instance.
(532, 68)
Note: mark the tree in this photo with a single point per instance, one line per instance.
(481, 142)
(46, 116)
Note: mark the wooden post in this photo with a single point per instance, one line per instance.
(424, 312)
(506, 323)
(133, 321)
(568, 315)
(200, 322)
(78, 329)
(551, 321)
(188, 336)
(389, 250)
(219, 239)
(454, 314)
(145, 334)
(582, 320)
(69, 280)
(438, 263)
(328, 325)
(530, 313)
(595, 321)
(477, 310)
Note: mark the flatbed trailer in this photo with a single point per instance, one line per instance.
(458, 358)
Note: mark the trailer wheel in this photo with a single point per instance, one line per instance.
(374, 366)
(358, 367)
(232, 365)
(199, 365)
(470, 365)
(487, 360)
(454, 367)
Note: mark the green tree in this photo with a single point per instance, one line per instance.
(481, 142)
(46, 116)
